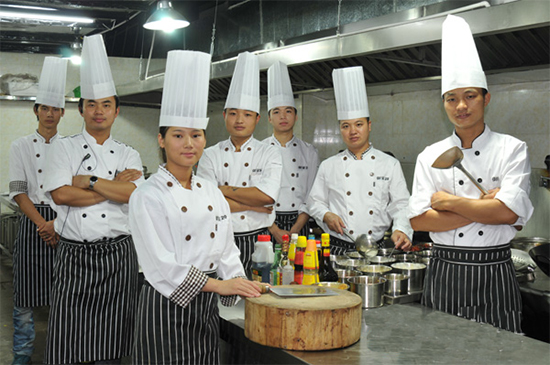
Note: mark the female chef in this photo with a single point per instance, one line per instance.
(181, 225)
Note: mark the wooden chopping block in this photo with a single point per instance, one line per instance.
(304, 323)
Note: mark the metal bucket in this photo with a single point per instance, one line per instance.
(396, 284)
(414, 271)
(405, 257)
(343, 274)
(369, 288)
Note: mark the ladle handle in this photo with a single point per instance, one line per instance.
(461, 168)
(346, 233)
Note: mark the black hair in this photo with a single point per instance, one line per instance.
(36, 106)
(162, 151)
(368, 119)
(225, 111)
(81, 103)
(483, 93)
(269, 112)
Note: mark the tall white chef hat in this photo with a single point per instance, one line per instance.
(244, 91)
(460, 64)
(51, 87)
(185, 93)
(350, 92)
(96, 80)
(279, 90)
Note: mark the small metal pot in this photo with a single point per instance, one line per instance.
(424, 257)
(414, 271)
(374, 269)
(344, 274)
(405, 257)
(369, 288)
(381, 260)
(396, 284)
(333, 285)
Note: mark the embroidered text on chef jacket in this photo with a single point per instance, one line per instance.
(68, 158)
(300, 164)
(257, 165)
(367, 194)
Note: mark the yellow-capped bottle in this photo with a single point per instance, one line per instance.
(310, 270)
(292, 248)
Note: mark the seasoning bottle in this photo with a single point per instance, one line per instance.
(326, 272)
(274, 275)
(262, 259)
(292, 248)
(285, 270)
(318, 258)
(310, 272)
(299, 259)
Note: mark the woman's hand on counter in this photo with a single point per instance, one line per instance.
(236, 286)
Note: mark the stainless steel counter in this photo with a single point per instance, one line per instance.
(403, 333)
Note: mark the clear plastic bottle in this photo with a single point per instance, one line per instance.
(285, 270)
(262, 259)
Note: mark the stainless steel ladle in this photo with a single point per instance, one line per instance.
(363, 244)
(453, 158)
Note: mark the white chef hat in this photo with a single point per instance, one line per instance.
(350, 92)
(279, 90)
(51, 87)
(244, 91)
(460, 64)
(96, 80)
(185, 93)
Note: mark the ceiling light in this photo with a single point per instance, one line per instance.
(27, 7)
(165, 18)
(37, 16)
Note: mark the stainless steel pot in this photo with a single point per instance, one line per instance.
(527, 243)
(381, 260)
(414, 271)
(369, 288)
(344, 274)
(374, 269)
(396, 284)
(405, 257)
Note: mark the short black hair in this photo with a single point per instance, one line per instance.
(81, 103)
(269, 112)
(484, 92)
(225, 111)
(368, 119)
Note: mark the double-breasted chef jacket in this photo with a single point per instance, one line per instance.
(180, 234)
(300, 163)
(80, 154)
(257, 165)
(367, 194)
(28, 167)
(495, 161)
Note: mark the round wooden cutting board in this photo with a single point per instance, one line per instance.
(304, 323)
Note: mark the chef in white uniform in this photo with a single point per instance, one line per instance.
(181, 225)
(34, 248)
(90, 179)
(360, 189)
(300, 159)
(471, 273)
(247, 171)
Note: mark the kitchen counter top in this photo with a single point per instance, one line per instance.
(404, 333)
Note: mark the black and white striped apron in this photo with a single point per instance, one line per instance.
(339, 247)
(33, 263)
(245, 243)
(475, 283)
(167, 333)
(93, 301)
(285, 221)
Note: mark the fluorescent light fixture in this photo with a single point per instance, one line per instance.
(27, 7)
(165, 18)
(36, 16)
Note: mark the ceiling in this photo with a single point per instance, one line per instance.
(509, 34)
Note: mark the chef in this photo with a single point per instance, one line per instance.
(182, 231)
(300, 159)
(360, 189)
(472, 275)
(247, 171)
(90, 179)
(34, 248)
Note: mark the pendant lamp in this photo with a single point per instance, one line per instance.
(165, 18)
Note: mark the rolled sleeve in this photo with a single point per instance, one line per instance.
(190, 287)
(18, 179)
(58, 167)
(270, 181)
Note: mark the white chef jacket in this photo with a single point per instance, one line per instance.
(68, 158)
(28, 167)
(496, 161)
(300, 164)
(177, 229)
(257, 165)
(367, 194)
